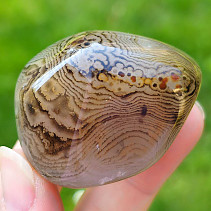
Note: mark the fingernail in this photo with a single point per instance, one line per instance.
(77, 196)
(17, 145)
(17, 181)
(200, 108)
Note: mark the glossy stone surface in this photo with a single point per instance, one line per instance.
(101, 106)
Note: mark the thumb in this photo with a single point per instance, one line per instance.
(21, 188)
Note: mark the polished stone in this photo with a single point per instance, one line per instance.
(101, 106)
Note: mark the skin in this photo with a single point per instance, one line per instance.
(23, 189)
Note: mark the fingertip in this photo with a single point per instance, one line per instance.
(17, 181)
(17, 145)
(201, 109)
(22, 188)
(191, 130)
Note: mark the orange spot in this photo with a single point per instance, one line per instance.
(147, 81)
(165, 80)
(133, 78)
(174, 77)
(163, 83)
(178, 86)
(103, 77)
(162, 86)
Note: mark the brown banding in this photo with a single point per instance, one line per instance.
(109, 106)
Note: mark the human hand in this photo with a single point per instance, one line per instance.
(23, 189)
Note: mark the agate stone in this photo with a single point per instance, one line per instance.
(101, 106)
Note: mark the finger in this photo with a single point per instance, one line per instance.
(21, 188)
(136, 193)
(17, 147)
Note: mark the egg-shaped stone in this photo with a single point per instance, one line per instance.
(101, 106)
